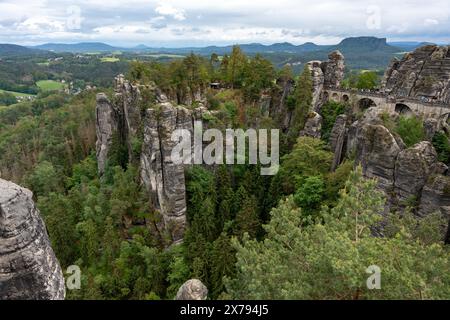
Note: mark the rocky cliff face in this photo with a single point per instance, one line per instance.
(143, 119)
(318, 80)
(164, 180)
(29, 269)
(328, 73)
(338, 139)
(408, 176)
(333, 69)
(313, 126)
(278, 108)
(106, 127)
(323, 73)
(424, 73)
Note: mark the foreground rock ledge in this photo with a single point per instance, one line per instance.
(29, 269)
(192, 290)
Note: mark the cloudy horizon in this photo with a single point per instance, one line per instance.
(179, 23)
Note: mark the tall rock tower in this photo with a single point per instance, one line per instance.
(29, 269)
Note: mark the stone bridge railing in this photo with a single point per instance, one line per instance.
(373, 93)
(389, 98)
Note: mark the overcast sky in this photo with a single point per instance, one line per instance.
(203, 22)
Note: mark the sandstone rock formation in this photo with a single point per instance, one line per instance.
(164, 180)
(313, 126)
(326, 74)
(318, 80)
(143, 119)
(413, 167)
(278, 107)
(436, 196)
(408, 176)
(377, 151)
(423, 74)
(430, 126)
(106, 127)
(338, 139)
(333, 69)
(29, 269)
(192, 290)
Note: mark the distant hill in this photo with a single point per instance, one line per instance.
(367, 52)
(141, 47)
(409, 45)
(364, 44)
(15, 50)
(252, 48)
(360, 52)
(78, 47)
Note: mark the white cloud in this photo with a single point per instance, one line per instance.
(169, 10)
(202, 22)
(398, 28)
(41, 24)
(430, 22)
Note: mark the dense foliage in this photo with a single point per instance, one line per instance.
(327, 257)
(410, 130)
(364, 80)
(305, 233)
(330, 111)
(442, 146)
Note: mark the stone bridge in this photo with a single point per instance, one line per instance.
(403, 105)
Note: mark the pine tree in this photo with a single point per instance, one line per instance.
(328, 258)
(235, 68)
(223, 260)
(247, 219)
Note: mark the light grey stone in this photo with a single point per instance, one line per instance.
(29, 269)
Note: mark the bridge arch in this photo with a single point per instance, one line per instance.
(366, 103)
(403, 109)
(335, 97)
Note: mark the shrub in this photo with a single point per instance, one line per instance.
(410, 130)
(442, 146)
(330, 111)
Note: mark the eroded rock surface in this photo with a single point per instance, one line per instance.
(278, 102)
(165, 180)
(423, 74)
(192, 290)
(313, 126)
(318, 80)
(377, 151)
(106, 127)
(328, 73)
(408, 176)
(338, 139)
(29, 269)
(143, 119)
(333, 69)
(412, 169)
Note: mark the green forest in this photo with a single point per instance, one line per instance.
(305, 233)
